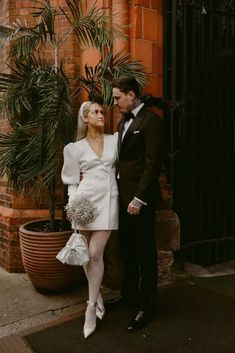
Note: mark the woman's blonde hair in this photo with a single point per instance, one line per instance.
(82, 113)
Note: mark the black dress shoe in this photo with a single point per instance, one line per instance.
(142, 318)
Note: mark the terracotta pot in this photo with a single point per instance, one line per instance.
(39, 250)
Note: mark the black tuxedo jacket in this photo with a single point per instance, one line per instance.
(140, 157)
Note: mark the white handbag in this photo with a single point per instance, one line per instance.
(75, 251)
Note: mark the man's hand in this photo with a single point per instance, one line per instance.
(134, 207)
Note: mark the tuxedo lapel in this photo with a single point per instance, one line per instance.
(134, 126)
(120, 132)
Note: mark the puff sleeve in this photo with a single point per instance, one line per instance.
(70, 173)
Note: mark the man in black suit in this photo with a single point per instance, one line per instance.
(140, 143)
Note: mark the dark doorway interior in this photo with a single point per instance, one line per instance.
(199, 78)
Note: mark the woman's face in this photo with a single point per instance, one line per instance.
(95, 116)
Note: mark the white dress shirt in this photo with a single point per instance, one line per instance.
(128, 123)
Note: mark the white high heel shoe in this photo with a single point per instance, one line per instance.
(100, 309)
(90, 319)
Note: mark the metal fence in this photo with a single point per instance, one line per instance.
(199, 79)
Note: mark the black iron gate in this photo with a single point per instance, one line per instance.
(199, 78)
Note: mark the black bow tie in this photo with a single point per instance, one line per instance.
(128, 116)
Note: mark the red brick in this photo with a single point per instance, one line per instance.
(143, 52)
(157, 66)
(139, 23)
(160, 34)
(24, 12)
(161, 9)
(156, 4)
(155, 85)
(144, 3)
(150, 25)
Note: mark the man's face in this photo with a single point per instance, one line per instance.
(123, 101)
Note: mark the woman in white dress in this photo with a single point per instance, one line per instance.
(89, 168)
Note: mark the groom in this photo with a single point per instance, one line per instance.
(140, 144)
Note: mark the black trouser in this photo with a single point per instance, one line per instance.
(138, 246)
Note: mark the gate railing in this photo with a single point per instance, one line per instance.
(199, 88)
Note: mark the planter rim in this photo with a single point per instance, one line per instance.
(23, 229)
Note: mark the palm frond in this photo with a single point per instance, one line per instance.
(39, 100)
(17, 93)
(26, 39)
(5, 34)
(97, 81)
(92, 27)
(14, 149)
(46, 14)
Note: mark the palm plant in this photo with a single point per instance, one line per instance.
(36, 94)
(98, 80)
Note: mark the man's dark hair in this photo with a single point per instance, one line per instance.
(127, 84)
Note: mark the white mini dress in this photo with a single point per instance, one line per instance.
(98, 180)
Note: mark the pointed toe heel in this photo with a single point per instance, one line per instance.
(90, 320)
(100, 312)
(100, 309)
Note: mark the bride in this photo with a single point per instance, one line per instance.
(89, 168)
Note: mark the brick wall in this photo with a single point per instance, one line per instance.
(4, 18)
(14, 209)
(147, 40)
(145, 31)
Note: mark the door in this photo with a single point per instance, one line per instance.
(199, 86)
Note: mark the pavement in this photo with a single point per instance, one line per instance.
(22, 307)
(23, 310)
